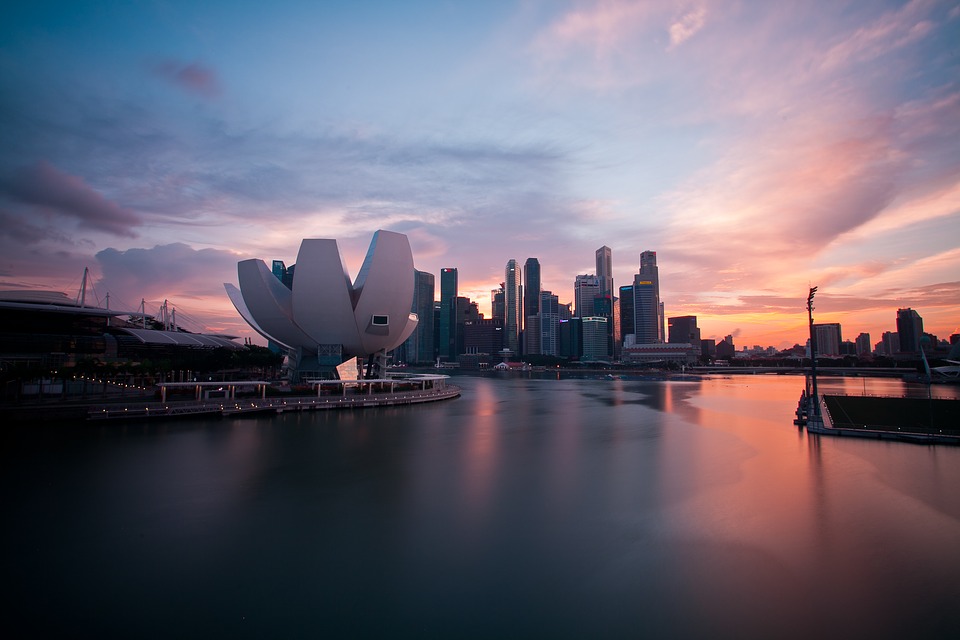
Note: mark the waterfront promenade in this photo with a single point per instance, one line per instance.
(236, 397)
(247, 406)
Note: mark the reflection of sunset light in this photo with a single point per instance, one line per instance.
(481, 453)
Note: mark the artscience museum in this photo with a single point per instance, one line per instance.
(322, 318)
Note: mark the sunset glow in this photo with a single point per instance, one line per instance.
(759, 148)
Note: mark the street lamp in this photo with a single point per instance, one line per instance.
(813, 353)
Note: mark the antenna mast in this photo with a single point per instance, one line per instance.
(82, 296)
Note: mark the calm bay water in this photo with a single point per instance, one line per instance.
(524, 508)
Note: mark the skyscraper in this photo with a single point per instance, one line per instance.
(605, 271)
(648, 311)
(684, 329)
(627, 314)
(498, 305)
(512, 302)
(586, 288)
(829, 337)
(909, 328)
(420, 345)
(531, 287)
(467, 312)
(594, 338)
(863, 344)
(549, 321)
(447, 348)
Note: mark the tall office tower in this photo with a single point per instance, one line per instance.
(684, 329)
(419, 346)
(594, 332)
(605, 271)
(662, 326)
(863, 344)
(447, 349)
(909, 328)
(285, 276)
(571, 338)
(531, 287)
(627, 314)
(549, 321)
(498, 307)
(284, 273)
(616, 338)
(512, 302)
(603, 307)
(828, 337)
(891, 342)
(467, 312)
(586, 287)
(531, 335)
(648, 312)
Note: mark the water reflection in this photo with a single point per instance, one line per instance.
(526, 507)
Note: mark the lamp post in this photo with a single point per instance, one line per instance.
(813, 353)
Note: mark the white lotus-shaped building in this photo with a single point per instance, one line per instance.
(324, 319)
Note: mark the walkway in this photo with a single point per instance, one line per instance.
(247, 406)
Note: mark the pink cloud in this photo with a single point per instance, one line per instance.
(46, 186)
(687, 25)
(191, 77)
(891, 31)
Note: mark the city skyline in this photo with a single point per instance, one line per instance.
(758, 149)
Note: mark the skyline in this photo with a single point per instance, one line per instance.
(759, 150)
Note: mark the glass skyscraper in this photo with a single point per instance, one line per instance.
(447, 348)
(512, 302)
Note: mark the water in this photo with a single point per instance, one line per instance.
(560, 508)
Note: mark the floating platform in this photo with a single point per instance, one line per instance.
(922, 420)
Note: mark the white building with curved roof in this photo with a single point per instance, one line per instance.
(324, 318)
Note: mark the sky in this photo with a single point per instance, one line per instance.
(760, 148)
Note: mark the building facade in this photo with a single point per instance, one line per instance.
(829, 338)
(549, 324)
(910, 329)
(594, 338)
(586, 287)
(531, 287)
(419, 347)
(683, 329)
(863, 344)
(512, 306)
(605, 271)
(447, 346)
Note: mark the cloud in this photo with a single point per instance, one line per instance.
(46, 186)
(174, 270)
(889, 32)
(190, 77)
(687, 25)
(18, 230)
